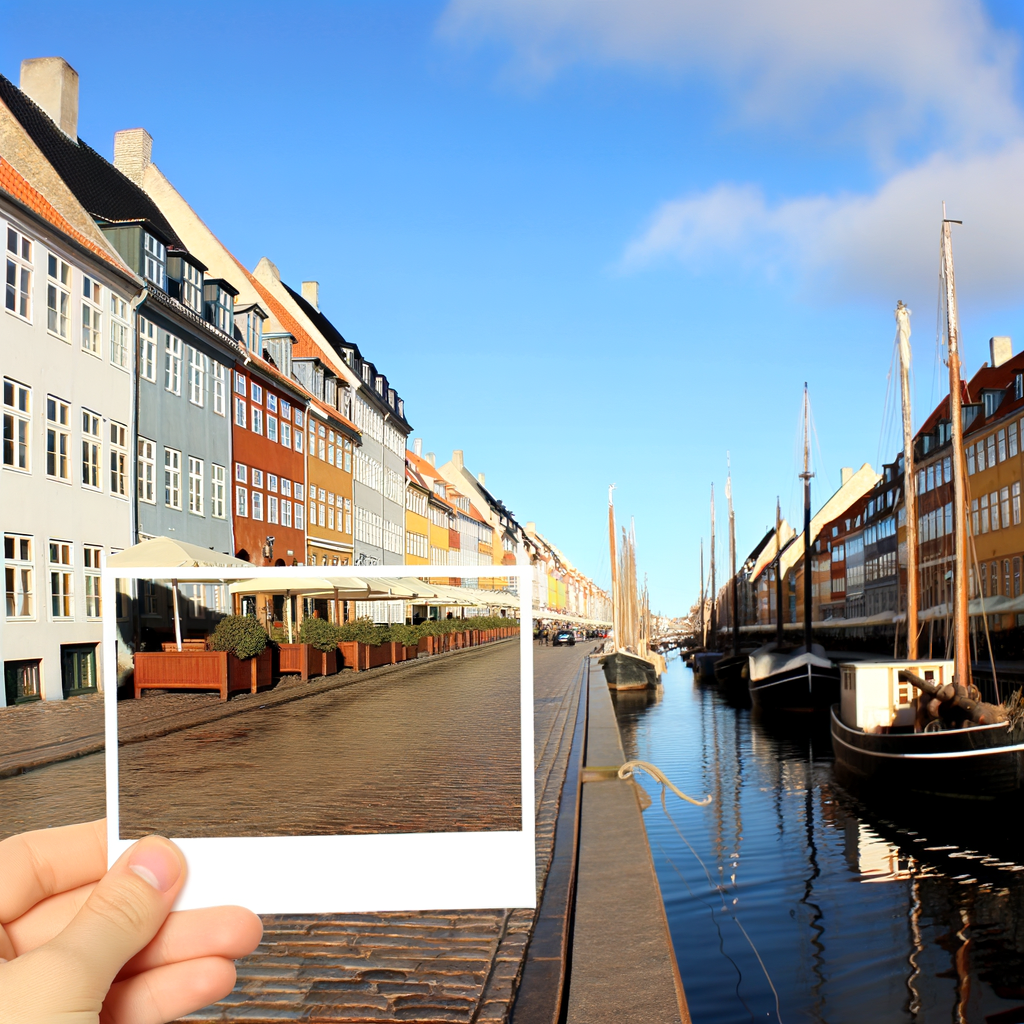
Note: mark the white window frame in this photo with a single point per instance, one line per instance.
(92, 561)
(239, 412)
(197, 368)
(18, 277)
(219, 389)
(92, 316)
(119, 460)
(196, 471)
(218, 490)
(146, 457)
(58, 297)
(58, 439)
(257, 505)
(120, 332)
(241, 501)
(257, 419)
(155, 261)
(17, 426)
(148, 339)
(92, 450)
(172, 478)
(61, 573)
(172, 364)
(19, 570)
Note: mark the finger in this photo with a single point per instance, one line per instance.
(169, 992)
(46, 920)
(36, 865)
(228, 932)
(120, 917)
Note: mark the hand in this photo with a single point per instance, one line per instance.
(85, 945)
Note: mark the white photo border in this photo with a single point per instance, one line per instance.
(345, 874)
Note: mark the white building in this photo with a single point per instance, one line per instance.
(66, 488)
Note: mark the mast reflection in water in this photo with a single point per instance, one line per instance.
(900, 915)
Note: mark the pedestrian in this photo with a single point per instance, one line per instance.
(69, 928)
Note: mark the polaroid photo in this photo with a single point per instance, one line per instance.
(292, 788)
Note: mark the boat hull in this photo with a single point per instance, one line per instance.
(628, 671)
(983, 762)
(732, 675)
(802, 688)
(704, 666)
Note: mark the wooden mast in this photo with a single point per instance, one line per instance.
(806, 477)
(961, 638)
(732, 559)
(615, 569)
(909, 481)
(778, 572)
(714, 595)
(703, 622)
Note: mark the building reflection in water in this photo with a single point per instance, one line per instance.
(894, 914)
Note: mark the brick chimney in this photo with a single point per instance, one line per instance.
(417, 445)
(1001, 349)
(311, 293)
(133, 152)
(457, 458)
(53, 84)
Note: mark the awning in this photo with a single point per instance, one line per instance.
(164, 551)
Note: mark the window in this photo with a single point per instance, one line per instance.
(92, 328)
(323, 513)
(17, 414)
(1006, 577)
(18, 295)
(300, 491)
(298, 418)
(1015, 495)
(91, 558)
(271, 428)
(1011, 432)
(241, 473)
(147, 470)
(191, 286)
(984, 513)
(172, 365)
(994, 505)
(61, 580)
(198, 364)
(970, 460)
(393, 538)
(257, 419)
(92, 446)
(172, 478)
(155, 262)
(257, 477)
(271, 402)
(119, 331)
(239, 384)
(219, 406)
(416, 545)
(1004, 504)
(19, 573)
(254, 333)
(330, 517)
(286, 512)
(1016, 574)
(286, 486)
(241, 501)
(58, 297)
(300, 514)
(239, 412)
(975, 518)
(947, 469)
(322, 449)
(257, 393)
(218, 490)
(990, 443)
(118, 459)
(58, 439)
(330, 452)
(348, 515)
(272, 483)
(257, 504)
(980, 448)
(1001, 444)
(271, 508)
(195, 486)
(286, 434)
(348, 456)
(929, 485)
(949, 518)
(147, 349)
(220, 307)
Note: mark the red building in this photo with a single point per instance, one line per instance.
(268, 415)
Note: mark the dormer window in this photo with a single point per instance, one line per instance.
(366, 373)
(991, 400)
(401, 408)
(439, 488)
(378, 385)
(185, 282)
(248, 327)
(219, 305)
(155, 263)
(1018, 386)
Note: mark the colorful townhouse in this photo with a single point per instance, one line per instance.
(331, 446)
(440, 511)
(417, 520)
(66, 473)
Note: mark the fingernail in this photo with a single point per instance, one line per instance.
(157, 865)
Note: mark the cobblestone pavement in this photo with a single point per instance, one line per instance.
(457, 966)
(368, 758)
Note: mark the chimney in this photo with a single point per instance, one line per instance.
(133, 152)
(311, 293)
(1001, 350)
(480, 477)
(432, 458)
(457, 458)
(53, 84)
(846, 475)
(531, 528)
(417, 445)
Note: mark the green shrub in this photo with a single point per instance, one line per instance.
(242, 635)
(367, 632)
(364, 630)
(319, 633)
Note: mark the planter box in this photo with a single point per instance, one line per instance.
(200, 670)
(326, 662)
(412, 652)
(351, 654)
(295, 659)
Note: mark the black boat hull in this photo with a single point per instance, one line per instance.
(732, 676)
(804, 688)
(979, 763)
(628, 672)
(704, 666)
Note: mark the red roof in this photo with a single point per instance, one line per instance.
(329, 410)
(15, 185)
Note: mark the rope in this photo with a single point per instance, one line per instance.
(626, 772)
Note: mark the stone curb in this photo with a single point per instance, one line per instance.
(27, 760)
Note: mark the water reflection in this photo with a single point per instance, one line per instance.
(889, 913)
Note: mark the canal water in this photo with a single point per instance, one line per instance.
(788, 899)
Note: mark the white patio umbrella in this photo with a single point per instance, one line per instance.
(172, 553)
(306, 587)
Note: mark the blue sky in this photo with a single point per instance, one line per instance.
(594, 243)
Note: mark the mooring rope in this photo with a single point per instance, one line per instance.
(626, 772)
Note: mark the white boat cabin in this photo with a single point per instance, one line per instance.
(875, 699)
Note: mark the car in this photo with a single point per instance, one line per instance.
(564, 638)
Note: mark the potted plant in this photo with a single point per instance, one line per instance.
(248, 648)
(320, 638)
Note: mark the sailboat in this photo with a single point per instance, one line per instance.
(801, 678)
(944, 742)
(732, 670)
(704, 661)
(630, 665)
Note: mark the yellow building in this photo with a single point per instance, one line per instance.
(417, 522)
(330, 446)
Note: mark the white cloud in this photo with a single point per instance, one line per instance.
(882, 245)
(895, 70)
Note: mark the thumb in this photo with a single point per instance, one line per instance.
(120, 917)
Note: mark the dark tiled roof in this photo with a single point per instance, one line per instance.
(327, 330)
(98, 185)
